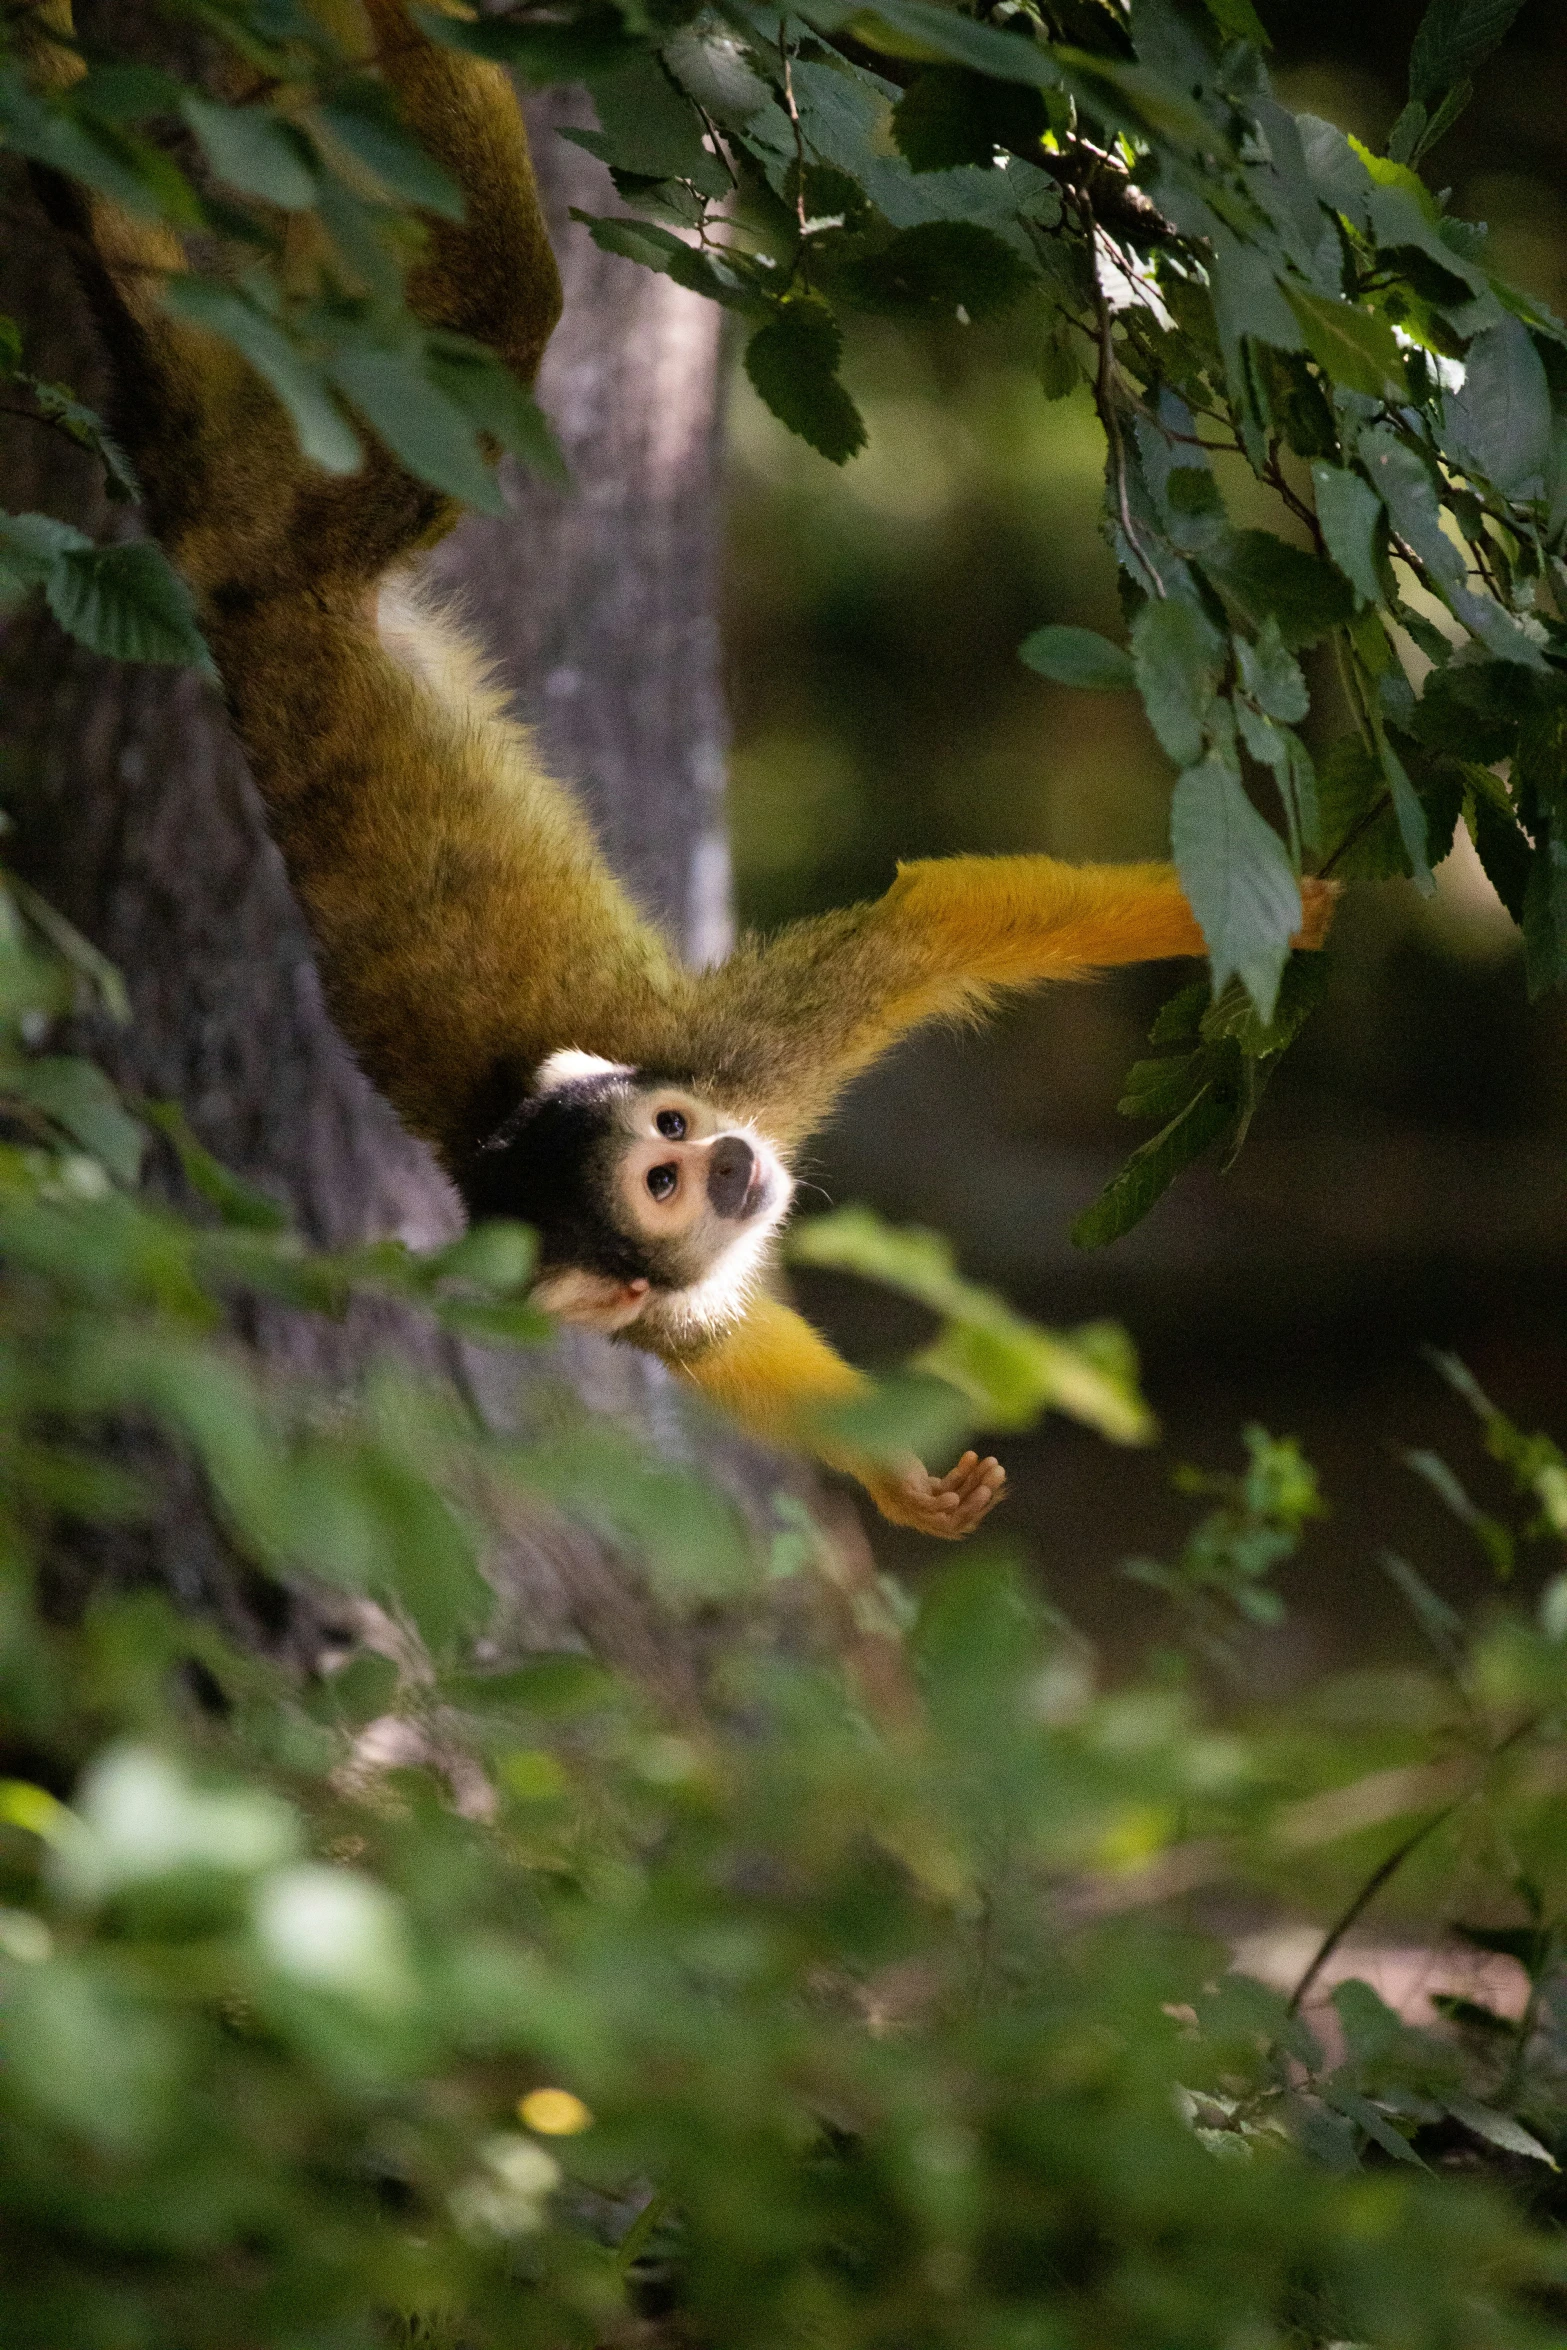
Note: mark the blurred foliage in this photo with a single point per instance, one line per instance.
(417, 1999)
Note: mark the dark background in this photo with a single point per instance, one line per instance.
(1406, 1182)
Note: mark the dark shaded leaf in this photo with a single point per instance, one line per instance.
(942, 266)
(1152, 1168)
(1271, 580)
(126, 602)
(1454, 37)
(650, 127)
(239, 1204)
(1080, 657)
(363, 114)
(948, 116)
(255, 150)
(79, 1098)
(491, 397)
(540, 52)
(793, 363)
(1177, 656)
(325, 435)
(421, 426)
(1502, 416)
(1350, 513)
(1237, 878)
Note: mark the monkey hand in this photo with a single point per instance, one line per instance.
(949, 1506)
(590, 1301)
(1318, 900)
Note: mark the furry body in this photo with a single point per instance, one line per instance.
(466, 924)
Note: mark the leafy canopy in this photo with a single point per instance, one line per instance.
(1118, 178)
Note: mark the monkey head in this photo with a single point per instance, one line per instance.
(652, 1205)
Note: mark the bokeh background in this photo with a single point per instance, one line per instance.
(1405, 1185)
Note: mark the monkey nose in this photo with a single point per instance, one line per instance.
(731, 1163)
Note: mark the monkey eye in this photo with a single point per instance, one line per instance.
(671, 1125)
(661, 1181)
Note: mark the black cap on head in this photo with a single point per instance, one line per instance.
(551, 1165)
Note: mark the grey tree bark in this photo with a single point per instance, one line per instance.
(134, 814)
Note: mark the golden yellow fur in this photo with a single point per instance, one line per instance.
(466, 925)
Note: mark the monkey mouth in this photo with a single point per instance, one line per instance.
(758, 1193)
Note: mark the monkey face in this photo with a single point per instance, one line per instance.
(653, 1206)
(689, 1178)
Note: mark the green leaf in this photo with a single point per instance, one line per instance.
(363, 115)
(712, 67)
(1356, 347)
(948, 117)
(1271, 580)
(793, 363)
(944, 267)
(1177, 657)
(1371, 2027)
(1454, 37)
(1010, 1368)
(1499, 2129)
(239, 1204)
(1369, 2117)
(127, 603)
(649, 127)
(491, 397)
(1502, 416)
(1271, 675)
(716, 276)
(1237, 879)
(497, 1255)
(79, 1098)
(325, 435)
(1350, 513)
(253, 149)
(129, 170)
(1080, 657)
(1410, 815)
(920, 29)
(1502, 847)
(1238, 21)
(1153, 1167)
(539, 51)
(424, 429)
(1360, 835)
(30, 547)
(688, 1532)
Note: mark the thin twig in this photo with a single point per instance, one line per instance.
(1362, 1902)
(1393, 1863)
(799, 134)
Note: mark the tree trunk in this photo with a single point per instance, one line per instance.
(135, 816)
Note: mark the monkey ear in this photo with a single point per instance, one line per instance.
(567, 1067)
(590, 1301)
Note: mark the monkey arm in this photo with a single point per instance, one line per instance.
(825, 997)
(776, 1376)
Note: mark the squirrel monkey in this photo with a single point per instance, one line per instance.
(490, 974)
